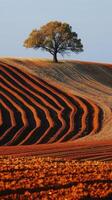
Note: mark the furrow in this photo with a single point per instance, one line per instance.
(67, 105)
(28, 109)
(59, 113)
(34, 85)
(84, 115)
(62, 102)
(1, 118)
(6, 120)
(35, 117)
(12, 117)
(51, 122)
(48, 114)
(35, 104)
(96, 116)
(72, 105)
(20, 117)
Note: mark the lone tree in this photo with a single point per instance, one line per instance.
(54, 37)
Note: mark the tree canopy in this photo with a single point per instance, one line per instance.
(54, 37)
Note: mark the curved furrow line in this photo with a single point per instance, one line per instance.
(84, 118)
(72, 126)
(89, 119)
(47, 136)
(27, 89)
(50, 120)
(25, 95)
(75, 120)
(30, 118)
(70, 103)
(59, 113)
(1, 118)
(12, 117)
(96, 115)
(6, 120)
(34, 86)
(57, 96)
(18, 115)
(67, 116)
(81, 157)
(67, 108)
(71, 135)
(39, 85)
(72, 76)
(34, 136)
(83, 75)
(93, 118)
(59, 130)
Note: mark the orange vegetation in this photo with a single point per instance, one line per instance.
(49, 178)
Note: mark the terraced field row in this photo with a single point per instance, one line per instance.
(32, 111)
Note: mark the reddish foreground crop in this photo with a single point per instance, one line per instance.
(54, 178)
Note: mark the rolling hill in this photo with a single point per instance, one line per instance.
(62, 109)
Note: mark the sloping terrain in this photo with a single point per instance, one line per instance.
(62, 109)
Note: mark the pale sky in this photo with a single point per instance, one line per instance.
(91, 19)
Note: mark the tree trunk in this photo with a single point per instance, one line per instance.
(55, 58)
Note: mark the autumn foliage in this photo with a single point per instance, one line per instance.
(54, 37)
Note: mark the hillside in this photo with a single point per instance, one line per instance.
(62, 109)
